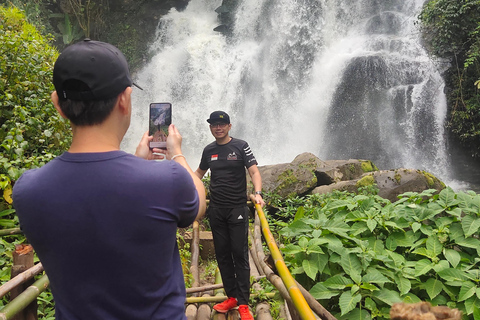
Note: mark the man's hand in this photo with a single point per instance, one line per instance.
(143, 150)
(174, 143)
(259, 200)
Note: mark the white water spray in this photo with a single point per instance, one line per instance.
(293, 77)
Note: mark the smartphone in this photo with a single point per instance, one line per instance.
(160, 117)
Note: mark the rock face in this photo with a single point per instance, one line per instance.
(307, 174)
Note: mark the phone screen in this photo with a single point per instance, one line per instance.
(160, 117)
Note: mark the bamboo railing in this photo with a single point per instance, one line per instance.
(298, 299)
(25, 298)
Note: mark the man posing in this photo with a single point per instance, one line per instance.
(228, 213)
(103, 222)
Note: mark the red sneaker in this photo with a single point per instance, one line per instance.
(244, 312)
(226, 305)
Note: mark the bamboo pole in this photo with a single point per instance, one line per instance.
(219, 298)
(24, 299)
(213, 286)
(312, 302)
(22, 261)
(191, 312)
(204, 311)
(298, 300)
(20, 278)
(254, 254)
(272, 277)
(195, 253)
(7, 232)
(262, 309)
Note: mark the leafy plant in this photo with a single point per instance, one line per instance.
(32, 132)
(451, 31)
(360, 254)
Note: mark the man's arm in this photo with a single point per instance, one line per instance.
(257, 183)
(200, 173)
(174, 142)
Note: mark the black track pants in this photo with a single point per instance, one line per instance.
(230, 237)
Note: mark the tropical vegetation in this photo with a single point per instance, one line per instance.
(451, 30)
(359, 253)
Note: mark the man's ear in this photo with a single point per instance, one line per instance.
(54, 98)
(124, 100)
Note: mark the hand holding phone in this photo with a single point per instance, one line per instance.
(160, 117)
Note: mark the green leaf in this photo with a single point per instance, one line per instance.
(337, 282)
(357, 314)
(300, 213)
(310, 268)
(433, 287)
(422, 267)
(398, 259)
(452, 274)
(441, 265)
(371, 224)
(291, 249)
(434, 245)
(370, 304)
(411, 298)
(320, 292)
(416, 226)
(368, 286)
(447, 198)
(403, 284)
(351, 264)
(348, 302)
(388, 296)
(470, 225)
(476, 312)
(375, 276)
(303, 243)
(470, 304)
(337, 204)
(467, 290)
(452, 256)
(337, 227)
(469, 242)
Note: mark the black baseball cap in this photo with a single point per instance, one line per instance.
(99, 66)
(218, 116)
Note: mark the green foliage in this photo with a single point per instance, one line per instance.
(32, 132)
(451, 30)
(359, 254)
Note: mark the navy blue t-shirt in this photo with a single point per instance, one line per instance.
(104, 227)
(227, 163)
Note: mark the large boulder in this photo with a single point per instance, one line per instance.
(291, 179)
(307, 174)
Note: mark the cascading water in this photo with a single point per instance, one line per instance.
(341, 79)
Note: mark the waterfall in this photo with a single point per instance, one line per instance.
(338, 78)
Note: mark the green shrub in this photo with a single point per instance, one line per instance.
(451, 30)
(32, 132)
(359, 254)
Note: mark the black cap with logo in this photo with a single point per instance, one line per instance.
(218, 116)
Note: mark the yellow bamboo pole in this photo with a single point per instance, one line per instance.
(298, 299)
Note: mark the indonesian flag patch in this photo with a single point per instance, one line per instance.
(214, 157)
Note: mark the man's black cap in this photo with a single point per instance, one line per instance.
(100, 67)
(218, 116)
